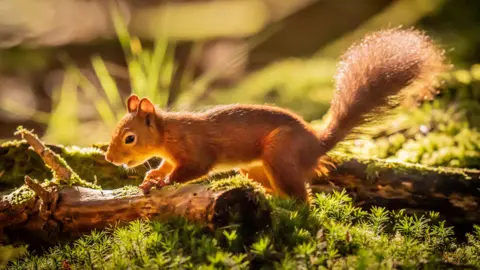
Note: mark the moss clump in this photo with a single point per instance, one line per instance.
(329, 234)
(83, 152)
(20, 195)
(126, 191)
(90, 164)
(73, 179)
(102, 146)
(236, 181)
(16, 161)
(8, 253)
(468, 252)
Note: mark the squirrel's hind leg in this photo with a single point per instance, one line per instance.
(260, 175)
(286, 178)
(289, 162)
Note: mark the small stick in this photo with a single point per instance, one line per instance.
(38, 189)
(49, 157)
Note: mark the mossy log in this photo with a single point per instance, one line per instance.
(71, 211)
(454, 193)
(68, 206)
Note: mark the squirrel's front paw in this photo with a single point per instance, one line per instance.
(154, 175)
(147, 185)
(163, 182)
(152, 178)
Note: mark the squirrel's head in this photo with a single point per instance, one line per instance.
(138, 136)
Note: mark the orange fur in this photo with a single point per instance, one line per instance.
(290, 151)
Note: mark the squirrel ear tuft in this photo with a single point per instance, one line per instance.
(146, 107)
(132, 103)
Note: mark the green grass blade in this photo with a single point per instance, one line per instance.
(154, 70)
(107, 82)
(121, 30)
(137, 77)
(166, 75)
(101, 104)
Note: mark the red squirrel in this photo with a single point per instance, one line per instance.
(369, 76)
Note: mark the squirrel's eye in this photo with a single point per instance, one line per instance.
(129, 139)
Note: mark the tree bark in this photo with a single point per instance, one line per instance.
(73, 211)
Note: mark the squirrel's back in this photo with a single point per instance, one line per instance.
(377, 72)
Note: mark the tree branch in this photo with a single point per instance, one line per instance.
(61, 171)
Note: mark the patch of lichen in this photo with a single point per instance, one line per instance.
(442, 132)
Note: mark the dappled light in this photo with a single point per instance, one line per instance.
(233, 134)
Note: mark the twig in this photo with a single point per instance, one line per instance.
(49, 157)
(38, 189)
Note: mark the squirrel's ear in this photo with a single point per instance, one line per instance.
(146, 107)
(132, 103)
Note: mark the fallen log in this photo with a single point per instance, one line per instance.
(67, 206)
(452, 192)
(73, 211)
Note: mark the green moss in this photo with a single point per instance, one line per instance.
(329, 234)
(13, 143)
(83, 152)
(101, 146)
(20, 195)
(375, 165)
(237, 181)
(8, 253)
(127, 191)
(16, 161)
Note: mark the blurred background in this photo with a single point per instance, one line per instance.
(66, 66)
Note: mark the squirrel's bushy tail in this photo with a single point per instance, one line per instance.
(376, 73)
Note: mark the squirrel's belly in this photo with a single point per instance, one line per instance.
(227, 166)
